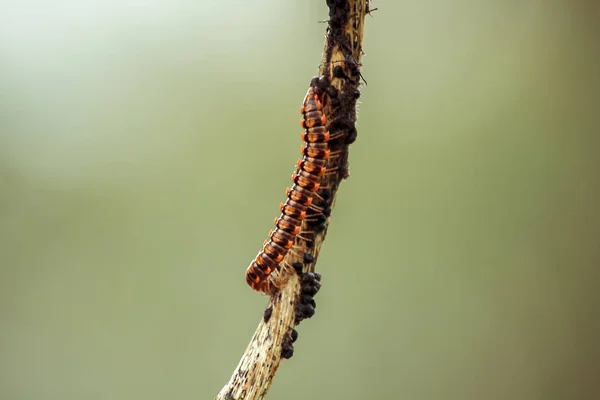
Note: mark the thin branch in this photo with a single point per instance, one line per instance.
(275, 334)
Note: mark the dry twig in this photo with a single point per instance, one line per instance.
(275, 334)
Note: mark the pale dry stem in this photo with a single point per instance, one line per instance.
(254, 374)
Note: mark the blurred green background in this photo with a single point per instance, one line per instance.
(145, 147)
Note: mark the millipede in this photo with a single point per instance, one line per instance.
(306, 178)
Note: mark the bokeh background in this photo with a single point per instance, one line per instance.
(145, 147)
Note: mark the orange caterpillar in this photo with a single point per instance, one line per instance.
(310, 168)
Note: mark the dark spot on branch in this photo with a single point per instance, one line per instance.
(308, 300)
(312, 289)
(332, 92)
(323, 83)
(325, 193)
(338, 72)
(229, 395)
(297, 267)
(306, 305)
(321, 227)
(287, 348)
(341, 124)
(267, 314)
(352, 134)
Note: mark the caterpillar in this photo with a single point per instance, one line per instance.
(305, 178)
